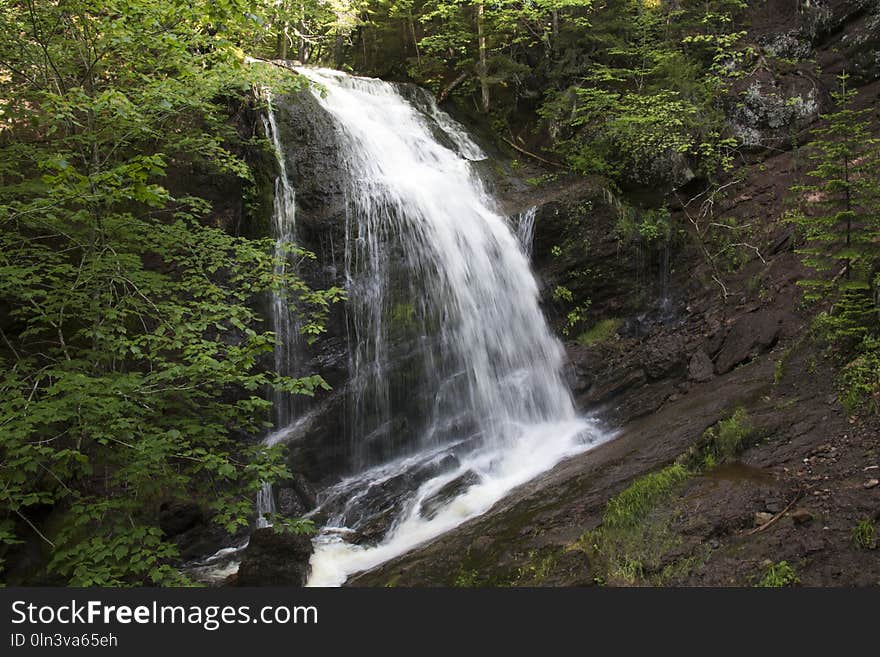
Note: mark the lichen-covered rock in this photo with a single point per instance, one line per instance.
(771, 112)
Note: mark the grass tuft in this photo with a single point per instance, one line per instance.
(631, 505)
(864, 535)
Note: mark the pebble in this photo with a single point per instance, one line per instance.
(801, 516)
(871, 483)
(762, 518)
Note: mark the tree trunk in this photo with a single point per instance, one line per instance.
(415, 39)
(303, 45)
(483, 67)
(554, 46)
(339, 50)
(848, 213)
(281, 49)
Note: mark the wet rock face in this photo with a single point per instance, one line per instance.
(575, 245)
(431, 506)
(377, 508)
(664, 356)
(845, 32)
(275, 559)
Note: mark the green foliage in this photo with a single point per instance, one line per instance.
(536, 569)
(860, 378)
(864, 534)
(575, 317)
(403, 315)
(839, 217)
(635, 534)
(778, 371)
(576, 314)
(602, 331)
(650, 95)
(649, 227)
(131, 355)
(730, 435)
(721, 442)
(840, 204)
(632, 504)
(562, 293)
(307, 30)
(466, 579)
(778, 575)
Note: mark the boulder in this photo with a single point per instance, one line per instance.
(275, 559)
(664, 356)
(801, 516)
(751, 334)
(700, 367)
(295, 496)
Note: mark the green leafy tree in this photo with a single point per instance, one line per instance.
(130, 351)
(651, 91)
(307, 30)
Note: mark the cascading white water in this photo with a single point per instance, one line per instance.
(479, 403)
(525, 229)
(284, 323)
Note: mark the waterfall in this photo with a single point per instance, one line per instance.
(455, 392)
(285, 325)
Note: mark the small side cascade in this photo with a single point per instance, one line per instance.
(524, 225)
(285, 324)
